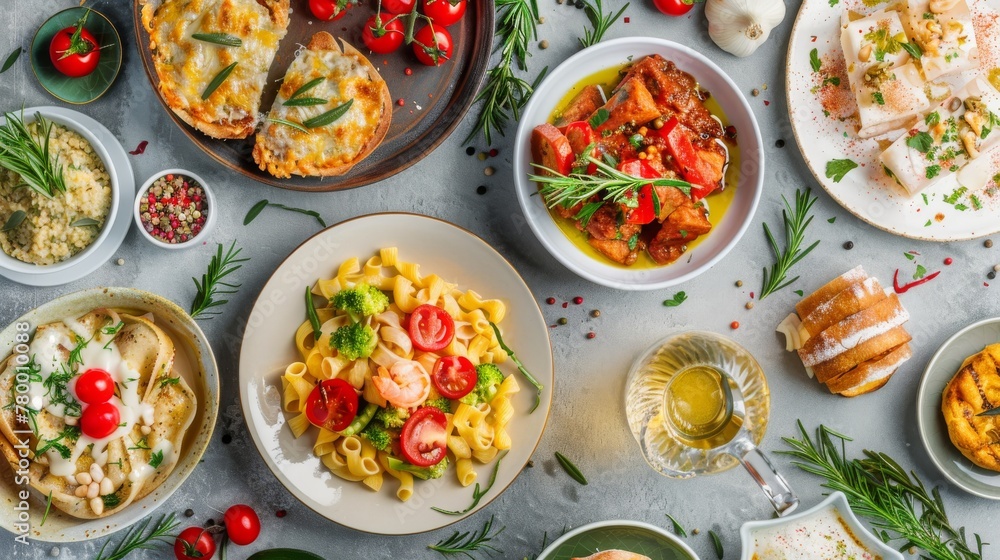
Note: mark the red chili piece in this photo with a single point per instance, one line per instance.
(591, 334)
(905, 287)
(140, 148)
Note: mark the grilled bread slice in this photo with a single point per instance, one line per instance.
(341, 76)
(973, 390)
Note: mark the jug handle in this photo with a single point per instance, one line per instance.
(780, 494)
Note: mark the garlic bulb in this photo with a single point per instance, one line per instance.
(740, 26)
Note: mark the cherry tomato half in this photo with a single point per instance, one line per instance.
(99, 420)
(194, 543)
(444, 12)
(454, 377)
(431, 328)
(74, 58)
(242, 524)
(432, 45)
(384, 38)
(423, 438)
(398, 6)
(674, 7)
(94, 386)
(328, 10)
(333, 404)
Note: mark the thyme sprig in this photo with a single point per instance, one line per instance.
(212, 284)
(878, 488)
(29, 156)
(138, 539)
(796, 221)
(600, 22)
(612, 185)
(504, 94)
(466, 543)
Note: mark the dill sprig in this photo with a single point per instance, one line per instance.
(29, 156)
(211, 285)
(467, 542)
(138, 539)
(613, 185)
(796, 221)
(900, 508)
(599, 21)
(504, 94)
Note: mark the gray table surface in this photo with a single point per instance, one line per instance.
(587, 420)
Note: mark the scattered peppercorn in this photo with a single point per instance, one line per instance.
(948, 261)
(481, 156)
(996, 267)
(749, 305)
(755, 92)
(544, 44)
(210, 523)
(408, 71)
(912, 550)
(992, 275)
(227, 439)
(530, 464)
(848, 245)
(489, 171)
(779, 143)
(188, 512)
(695, 531)
(739, 283)
(173, 209)
(591, 334)
(595, 313)
(280, 513)
(550, 301)
(578, 300)
(988, 243)
(562, 321)
(579, 5)
(400, 102)
(494, 152)
(481, 189)
(470, 151)
(541, 20)
(120, 262)
(734, 325)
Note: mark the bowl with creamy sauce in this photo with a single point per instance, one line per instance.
(827, 531)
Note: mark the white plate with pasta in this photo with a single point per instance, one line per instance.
(389, 395)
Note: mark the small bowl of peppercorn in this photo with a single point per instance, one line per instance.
(174, 208)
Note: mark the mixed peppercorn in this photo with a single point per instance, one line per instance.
(174, 209)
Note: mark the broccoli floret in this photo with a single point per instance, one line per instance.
(489, 377)
(437, 471)
(440, 403)
(361, 301)
(354, 341)
(392, 417)
(425, 473)
(377, 436)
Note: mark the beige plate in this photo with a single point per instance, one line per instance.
(268, 347)
(205, 383)
(866, 191)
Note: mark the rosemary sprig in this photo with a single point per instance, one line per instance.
(28, 155)
(48, 506)
(466, 543)
(612, 185)
(138, 539)
(572, 470)
(900, 508)
(223, 39)
(477, 492)
(520, 367)
(678, 529)
(599, 21)
(256, 209)
(221, 266)
(306, 87)
(716, 544)
(796, 221)
(217, 80)
(329, 116)
(292, 124)
(504, 94)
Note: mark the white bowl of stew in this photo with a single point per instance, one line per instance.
(730, 209)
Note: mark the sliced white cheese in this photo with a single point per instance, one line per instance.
(948, 39)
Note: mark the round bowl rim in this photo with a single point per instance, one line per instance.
(619, 523)
(209, 223)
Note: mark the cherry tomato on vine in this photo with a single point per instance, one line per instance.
(431, 328)
(432, 45)
(333, 404)
(398, 6)
(194, 543)
(454, 376)
(674, 7)
(242, 524)
(94, 386)
(423, 438)
(99, 420)
(383, 33)
(329, 10)
(444, 12)
(74, 50)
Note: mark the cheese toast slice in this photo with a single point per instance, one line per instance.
(196, 43)
(299, 137)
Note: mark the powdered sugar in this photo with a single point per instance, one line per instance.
(829, 347)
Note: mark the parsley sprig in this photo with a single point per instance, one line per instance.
(796, 220)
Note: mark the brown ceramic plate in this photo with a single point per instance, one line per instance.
(435, 99)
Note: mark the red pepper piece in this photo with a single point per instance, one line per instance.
(905, 287)
(580, 135)
(644, 213)
(694, 170)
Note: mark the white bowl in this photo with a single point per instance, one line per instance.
(66, 118)
(722, 238)
(837, 502)
(632, 536)
(209, 198)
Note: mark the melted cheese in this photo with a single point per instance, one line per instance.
(339, 142)
(186, 66)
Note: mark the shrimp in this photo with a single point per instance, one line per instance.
(406, 384)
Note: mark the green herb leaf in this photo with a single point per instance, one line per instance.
(600, 22)
(814, 60)
(913, 49)
(928, 224)
(294, 125)
(48, 501)
(14, 220)
(260, 206)
(932, 171)
(836, 169)
(716, 544)
(799, 293)
(217, 80)
(306, 87)
(920, 273)
(600, 117)
(85, 222)
(878, 98)
(155, 459)
(678, 530)
(832, 220)
(920, 142)
(255, 210)
(305, 102)
(329, 116)
(112, 500)
(169, 380)
(11, 59)
(223, 39)
(932, 118)
(677, 299)
(571, 469)
(633, 242)
(312, 315)
(477, 492)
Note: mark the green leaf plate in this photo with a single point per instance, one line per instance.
(87, 88)
(632, 536)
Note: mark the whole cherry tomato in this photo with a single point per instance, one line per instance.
(99, 420)
(398, 6)
(74, 50)
(94, 386)
(674, 7)
(242, 524)
(194, 543)
(432, 45)
(444, 12)
(383, 33)
(329, 10)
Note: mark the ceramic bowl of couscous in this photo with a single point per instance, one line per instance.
(66, 210)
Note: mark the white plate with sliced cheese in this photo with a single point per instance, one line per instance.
(915, 174)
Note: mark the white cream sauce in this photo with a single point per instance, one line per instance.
(823, 534)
